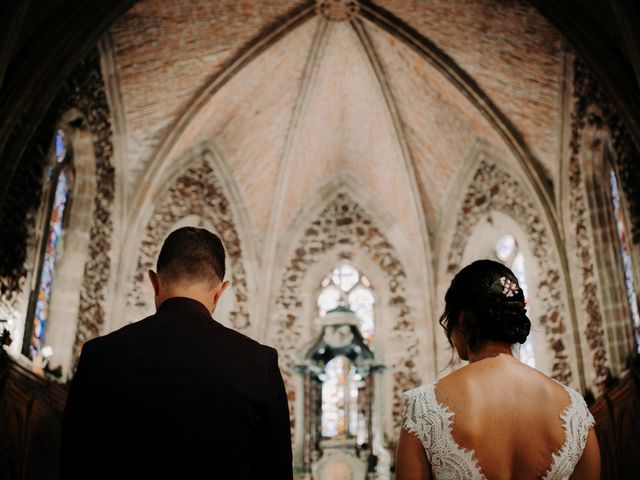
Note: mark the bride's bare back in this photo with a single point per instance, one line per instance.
(508, 415)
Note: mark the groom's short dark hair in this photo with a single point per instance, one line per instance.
(191, 254)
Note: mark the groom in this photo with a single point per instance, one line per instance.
(178, 395)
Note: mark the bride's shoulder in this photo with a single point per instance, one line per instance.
(422, 388)
(576, 399)
(423, 392)
(422, 412)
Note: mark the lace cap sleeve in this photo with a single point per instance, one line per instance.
(577, 420)
(412, 405)
(432, 423)
(590, 422)
(425, 419)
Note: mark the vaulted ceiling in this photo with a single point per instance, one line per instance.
(169, 50)
(394, 94)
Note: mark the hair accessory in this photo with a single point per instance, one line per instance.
(505, 286)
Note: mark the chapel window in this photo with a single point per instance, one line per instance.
(346, 286)
(508, 253)
(625, 253)
(340, 399)
(58, 178)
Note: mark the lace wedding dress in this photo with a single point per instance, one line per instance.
(432, 423)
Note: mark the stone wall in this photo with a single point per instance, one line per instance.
(90, 98)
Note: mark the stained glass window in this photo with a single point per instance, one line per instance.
(328, 299)
(345, 277)
(333, 403)
(625, 252)
(340, 415)
(361, 302)
(507, 251)
(51, 247)
(505, 247)
(519, 270)
(348, 287)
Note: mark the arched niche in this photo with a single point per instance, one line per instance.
(492, 184)
(228, 303)
(342, 229)
(605, 286)
(197, 193)
(482, 245)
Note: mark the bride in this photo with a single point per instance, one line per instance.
(495, 418)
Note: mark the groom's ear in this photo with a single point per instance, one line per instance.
(155, 281)
(220, 290)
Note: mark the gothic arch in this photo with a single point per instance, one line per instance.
(422, 284)
(493, 188)
(482, 243)
(197, 188)
(179, 134)
(82, 102)
(340, 229)
(84, 93)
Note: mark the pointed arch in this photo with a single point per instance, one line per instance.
(198, 186)
(421, 278)
(492, 188)
(341, 228)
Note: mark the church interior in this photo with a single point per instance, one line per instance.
(352, 155)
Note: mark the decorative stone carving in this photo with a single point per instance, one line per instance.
(195, 192)
(585, 93)
(493, 189)
(343, 227)
(338, 10)
(87, 94)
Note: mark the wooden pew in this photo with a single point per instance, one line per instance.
(31, 408)
(617, 415)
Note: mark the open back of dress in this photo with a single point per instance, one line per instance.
(432, 423)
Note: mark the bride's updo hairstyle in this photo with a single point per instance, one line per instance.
(488, 297)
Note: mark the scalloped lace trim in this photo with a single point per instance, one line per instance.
(432, 423)
(576, 421)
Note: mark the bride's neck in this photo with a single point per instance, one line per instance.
(490, 349)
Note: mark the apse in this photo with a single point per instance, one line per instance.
(352, 156)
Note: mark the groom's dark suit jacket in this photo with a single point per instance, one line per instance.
(177, 395)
